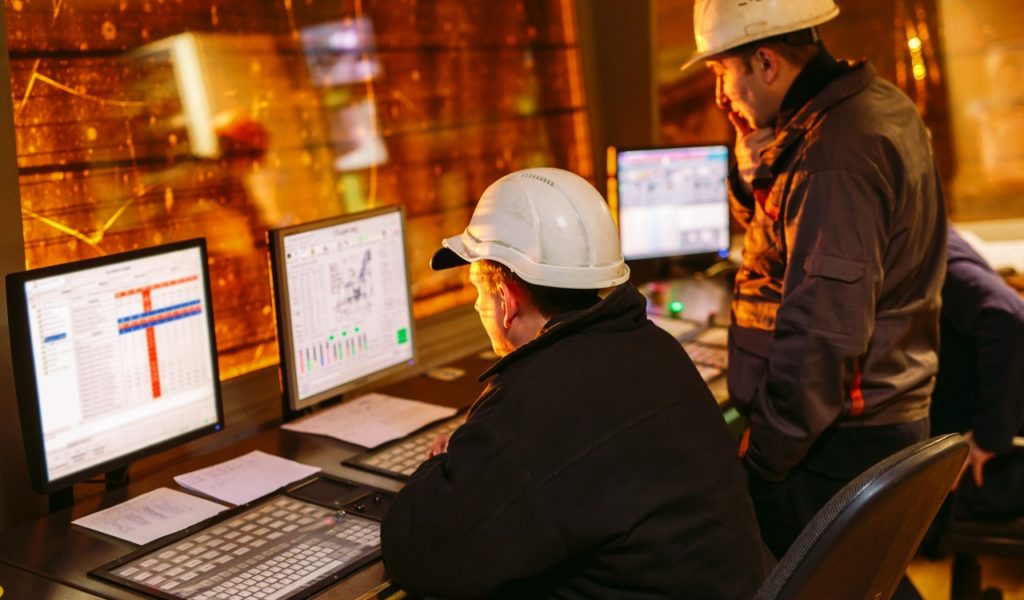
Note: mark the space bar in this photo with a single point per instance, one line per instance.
(306, 580)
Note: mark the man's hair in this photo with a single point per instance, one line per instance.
(549, 301)
(797, 48)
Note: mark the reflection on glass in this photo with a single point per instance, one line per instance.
(139, 123)
(342, 65)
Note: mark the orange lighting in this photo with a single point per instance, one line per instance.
(613, 182)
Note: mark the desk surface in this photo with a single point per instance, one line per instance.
(53, 556)
(17, 585)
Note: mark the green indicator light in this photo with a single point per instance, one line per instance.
(331, 338)
(357, 330)
(344, 333)
(676, 306)
(403, 335)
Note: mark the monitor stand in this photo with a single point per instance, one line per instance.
(62, 498)
(288, 415)
(118, 478)
(65, 497)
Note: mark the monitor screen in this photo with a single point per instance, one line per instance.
(341, 290)
(115, 358)
(673, 202)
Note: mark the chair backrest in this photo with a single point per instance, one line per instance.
(859, 544)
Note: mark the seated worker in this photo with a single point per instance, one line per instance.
(978, 390)
(596, 464)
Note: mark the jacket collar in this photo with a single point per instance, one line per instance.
(820, 71)
(624, 302)
(857, 77)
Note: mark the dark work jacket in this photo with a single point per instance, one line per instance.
(980, 385)
(596, 464)
(836, 306)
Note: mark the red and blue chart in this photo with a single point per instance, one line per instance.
(123, 357)
(151, 318)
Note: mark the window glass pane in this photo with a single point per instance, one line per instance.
(143, 122)
(983, 42)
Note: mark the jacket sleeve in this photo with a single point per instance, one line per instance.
(468, 521)
(836, 236)
(741, 202)
(982, 308)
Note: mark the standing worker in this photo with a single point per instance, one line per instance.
(596, 464)
(832, 346)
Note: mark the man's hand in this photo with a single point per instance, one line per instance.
(976, 459)
(748, 148)
(439, 446)
(749, 143)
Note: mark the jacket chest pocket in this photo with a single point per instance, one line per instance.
(838, 303)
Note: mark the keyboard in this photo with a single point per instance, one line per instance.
(714, 336)
(401, 459)
(709, 353)
(282, 549)
(677, 328)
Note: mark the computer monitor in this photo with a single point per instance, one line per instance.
(673, 203)
(344, 314)
(114, 359)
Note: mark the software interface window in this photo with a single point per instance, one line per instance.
(348, 301)
(122, 357)
(673, 201)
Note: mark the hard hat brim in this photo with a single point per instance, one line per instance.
(446, 258)
(697, 57)
(456, 253)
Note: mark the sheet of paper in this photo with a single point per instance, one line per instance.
(245, 478)
(151, 515)
(371, 420)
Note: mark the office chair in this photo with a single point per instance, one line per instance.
(859, 544)
(968, 537)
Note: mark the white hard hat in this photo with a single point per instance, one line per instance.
(551, 227)
(720, 25)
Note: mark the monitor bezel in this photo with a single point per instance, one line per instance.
(291, 404)
(696, 260)
(25, 381)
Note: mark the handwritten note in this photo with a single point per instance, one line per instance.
(245, 478)
(372, 419)
(151, 515)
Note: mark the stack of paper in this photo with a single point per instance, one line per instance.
(372, 419)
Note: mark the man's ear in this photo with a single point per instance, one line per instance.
(766, 64)
(510, 303)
